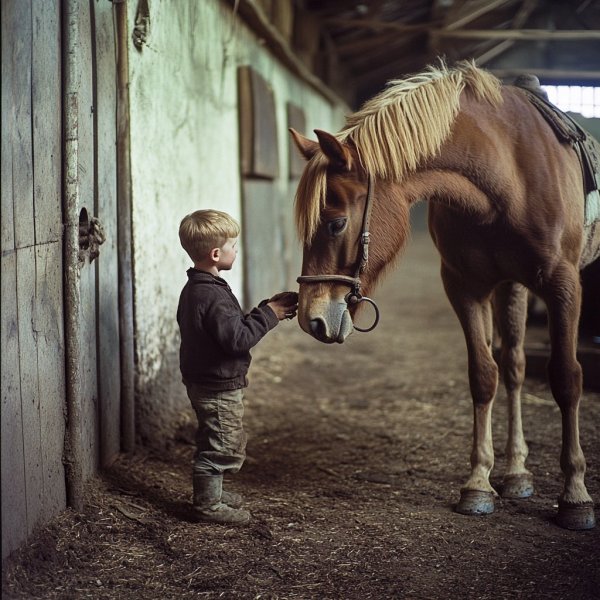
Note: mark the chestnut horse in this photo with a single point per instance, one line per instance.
(506, 214)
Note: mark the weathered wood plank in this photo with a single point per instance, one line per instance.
(296, 120)
(14, 513)
(30, 396)
(22, 159)
(282, 16)
(49, 321)
(46, 107)
(109, 380)
(7, 227)
(292, 250)
(258, 125)
(88, 364)
(261, 237)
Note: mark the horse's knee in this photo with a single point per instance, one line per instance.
(513, 366)
(483, 380)
(566, 381)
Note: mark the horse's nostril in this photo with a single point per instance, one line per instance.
(317, 326)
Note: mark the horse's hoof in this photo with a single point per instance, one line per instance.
(576, 516)
(475, 502)
(517, 486)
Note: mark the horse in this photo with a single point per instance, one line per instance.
(506, 213)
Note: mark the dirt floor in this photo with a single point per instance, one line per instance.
(356, 456)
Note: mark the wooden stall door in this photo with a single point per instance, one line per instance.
(33, 336)
(33, 358)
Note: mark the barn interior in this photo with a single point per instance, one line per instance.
(356, 454)
(354, 47)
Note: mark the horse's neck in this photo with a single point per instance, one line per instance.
(449, 187)
(462, 174)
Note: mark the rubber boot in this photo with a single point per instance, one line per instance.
(232, 499)
(208, 504)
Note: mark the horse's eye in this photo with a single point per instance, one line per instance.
(337, 226)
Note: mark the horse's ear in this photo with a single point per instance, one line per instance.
(307, 147)
(335, 151)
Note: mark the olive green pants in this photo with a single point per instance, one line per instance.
(220, 438)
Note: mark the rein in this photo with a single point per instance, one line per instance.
(354, 296)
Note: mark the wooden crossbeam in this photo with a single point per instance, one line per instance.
(472, 10)
(527, 7)
(520, 34)
(548, 73)
(476, 34)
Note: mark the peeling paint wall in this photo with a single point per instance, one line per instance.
(185, 156)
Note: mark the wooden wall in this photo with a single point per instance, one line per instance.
(33, 380)
(34, 383)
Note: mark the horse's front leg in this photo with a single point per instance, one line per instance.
(510, 310)
(475, 315)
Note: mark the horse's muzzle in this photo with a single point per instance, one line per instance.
(328, 323)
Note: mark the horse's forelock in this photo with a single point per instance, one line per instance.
(310, 197)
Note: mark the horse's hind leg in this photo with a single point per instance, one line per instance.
(475, 315)
(562, 294)
(510, 310)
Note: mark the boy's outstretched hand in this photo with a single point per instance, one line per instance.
(284, 305)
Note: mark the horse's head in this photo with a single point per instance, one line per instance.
(330, 207)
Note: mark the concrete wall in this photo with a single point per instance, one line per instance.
(185, 156)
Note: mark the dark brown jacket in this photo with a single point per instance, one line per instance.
(216, 336)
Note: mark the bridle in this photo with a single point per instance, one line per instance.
(354, 296)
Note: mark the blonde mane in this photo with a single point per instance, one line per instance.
(396, 130)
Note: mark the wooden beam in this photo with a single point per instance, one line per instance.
(375, 25)
(391, 70)
(364, 44)
(476, 34)
(520, 34)
(527, 7)
(549, 73)
(493, 52)
(256, 19)
(475, 8)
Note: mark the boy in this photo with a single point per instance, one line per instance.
(216, 338)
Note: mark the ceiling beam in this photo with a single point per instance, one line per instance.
(527, 7)
(475, 34)
(471, 9)
(375, 25)
(363, 44)
(549, 73)
(520, 34)
(256, 19)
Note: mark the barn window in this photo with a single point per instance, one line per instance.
(584, 100)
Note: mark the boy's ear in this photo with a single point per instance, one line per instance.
(215, 253)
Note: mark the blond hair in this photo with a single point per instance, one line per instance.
(203, 230)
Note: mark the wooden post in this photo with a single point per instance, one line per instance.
(124, 235)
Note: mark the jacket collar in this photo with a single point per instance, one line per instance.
(196, 276)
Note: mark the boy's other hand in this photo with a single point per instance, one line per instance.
(284, 305)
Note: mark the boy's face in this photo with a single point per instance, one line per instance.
(228, 254)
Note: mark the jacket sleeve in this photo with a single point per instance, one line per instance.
(235, 332)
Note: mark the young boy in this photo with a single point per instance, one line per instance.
(216, 338)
